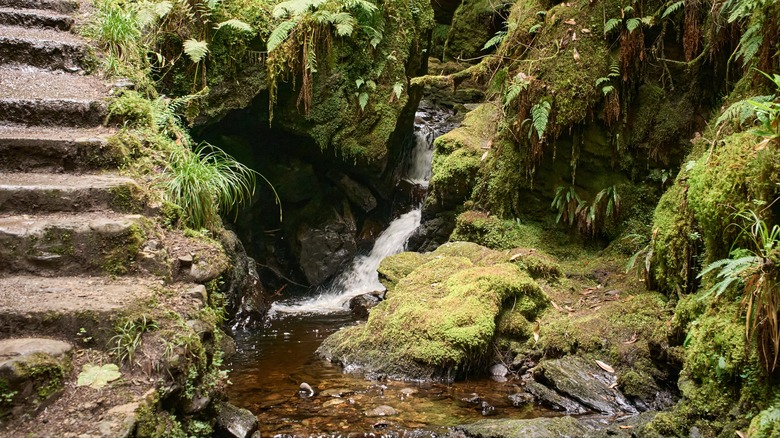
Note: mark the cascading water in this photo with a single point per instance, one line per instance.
(361, 277)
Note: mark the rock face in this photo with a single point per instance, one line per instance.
(440, 313)
(325, 248)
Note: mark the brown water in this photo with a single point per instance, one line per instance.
(274, 361)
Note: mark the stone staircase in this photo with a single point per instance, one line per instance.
(71, 233)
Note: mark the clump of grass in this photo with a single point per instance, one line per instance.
(118, 30)
(205, 182)
(128, 338)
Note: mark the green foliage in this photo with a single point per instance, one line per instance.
(206, 182)
(568, 204)
(758, 15)
(196, 50)
(626, 22)
(540, 117)
(605, 82)
(129, 336)
(117, 29)
(673, 8)
(496, 40)
(590, 218)
(515, 88)
(755, 269)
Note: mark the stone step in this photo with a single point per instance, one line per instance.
(62, 306)
(35, 18)
(45, 192)
(62, 6)
(74, 113)
(35, 83)
(43, 48)
(40, 149)
(71, 244)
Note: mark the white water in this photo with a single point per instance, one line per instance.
(362, 277)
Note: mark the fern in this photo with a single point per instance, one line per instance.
(750, 42)
(497, 39)
(235, 24)
(196, 50)
(516, 87)
(673, 8)
(295, 8)
(363, 100)
(611, 25)
(540, 114)
(344, 22)
(535, 28)
(607, 89)
(280, 34)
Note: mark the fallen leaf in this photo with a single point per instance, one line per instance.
(556, 306)
(605, 367)
(585, 30)
(96, 376)
(613, 386)
(574, 36)
(515, 257)
(536, 332)
(570, 22)
(568, 308)
(741, 434)
(626, 427)
(634, 338)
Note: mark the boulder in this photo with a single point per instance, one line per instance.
(234, 422)
(325, 248)
(439, 314)
(551, 399)
(357, 193)
(362, 304)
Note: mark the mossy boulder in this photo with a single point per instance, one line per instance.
(473, 24)
(457, 155)
(439, 320)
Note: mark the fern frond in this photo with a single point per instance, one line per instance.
(345, 23)
(535, 28)
(363, 100)
(361, 6)
(611, 25)
(632, 24)
(398, 89)
(196, 50)
(235, 24)
(608, 89)
(496, 40)
(540, 114)
(295, 8)
(750, 43)
(279, 34)
(674, 7)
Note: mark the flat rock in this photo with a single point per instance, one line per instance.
(585, 382)
(19, 350)
(552, 399)
(28, 82)
(235, 422)
(558, 427)
(381, 411)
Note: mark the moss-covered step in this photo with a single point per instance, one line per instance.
(34, 18)
(53, 112)
(440, 314)
(46, 192)
(66, 244)
(42, 48)
(71, 308)
(39, 149)
(32, 371)
(61, 6)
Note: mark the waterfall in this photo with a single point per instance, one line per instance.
(361, 277)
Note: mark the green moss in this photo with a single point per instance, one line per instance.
(396, 267)
(131, 109)
(471, 28)
(127, 198)
(153, 423)
(120, 251)
(441, 317)
(46, 373)
(767, 423)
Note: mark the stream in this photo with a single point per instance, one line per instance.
(273, 362)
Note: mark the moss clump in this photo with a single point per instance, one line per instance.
(441, 318)
(767, 423)
(472, 26)
(490, 231)
(398, 266)
(46, 373)
(131, 109)
(153, 423)
(457, 156)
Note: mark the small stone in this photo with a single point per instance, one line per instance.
(499, 370)
(333, 402)
(381, 411)
(521, 399)
(185, 260)
(235, 422)
(199, 292)
(487, 409)
(472, 398)
(306, 390)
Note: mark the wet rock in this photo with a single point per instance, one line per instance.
(198, 403)
(362, 304)
(488, 410)
(537, 428)
(305, 390)
(381, 411)
(234, 422)
(336, 392)
(333, 402)
(584, 382)
(553, 400)
(325, 248)
(472, 398)
(357, 193)
(499, 370)
(245, 294)
(521, 399)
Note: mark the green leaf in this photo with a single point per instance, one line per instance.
(608, 89)
(535, 28)
(96, 376)
(236, 24)
(611, 25)
(359, 82)
(363, 100)
(196, 50)
(496, 40)
(540, 116)
(398, 89)
(279, 34)
(632, 24)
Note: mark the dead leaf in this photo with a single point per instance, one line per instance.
(586, 30)
(741, 434)
(605, 367)
(626, 427)
(568, 308)
(556, 306)
(613, 386)
(515, 257)
(634, 338)
(596, 308)
(536, 332)
(570, 22)
(574, 36)
(576, 55)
